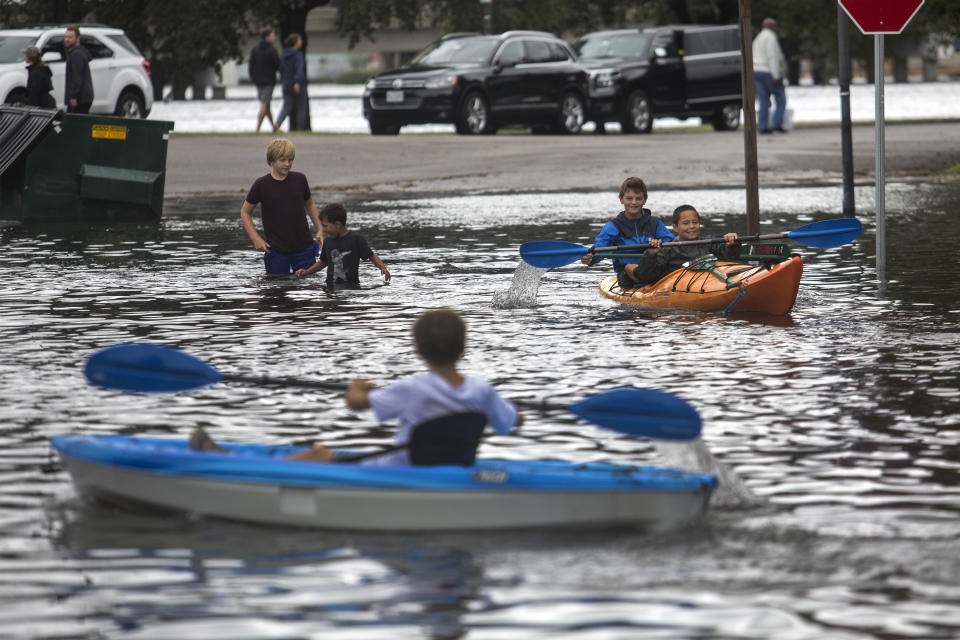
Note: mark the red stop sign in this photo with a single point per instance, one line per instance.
(881, 16)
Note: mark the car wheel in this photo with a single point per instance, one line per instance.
(571, 114)
(727, 118)
(380, 128)
(130, 105)
(638, 117)
(474, 116)
(17, 96)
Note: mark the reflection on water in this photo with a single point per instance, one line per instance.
(835, 428)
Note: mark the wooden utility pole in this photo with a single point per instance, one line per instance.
(749, 120)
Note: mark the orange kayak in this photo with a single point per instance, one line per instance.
(724, 287)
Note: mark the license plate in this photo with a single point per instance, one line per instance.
(394, 96)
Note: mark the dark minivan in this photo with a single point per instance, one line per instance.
(482, 82)
(671, 71)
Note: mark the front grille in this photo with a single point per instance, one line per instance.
(387, 83)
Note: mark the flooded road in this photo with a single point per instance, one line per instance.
(838, 426)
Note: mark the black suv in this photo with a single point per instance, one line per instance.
(679, 71)
(482, 82)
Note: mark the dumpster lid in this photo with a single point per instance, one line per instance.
(19, 128)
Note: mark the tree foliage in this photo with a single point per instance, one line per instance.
(187, 36)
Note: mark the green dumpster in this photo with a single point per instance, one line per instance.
(69, 167)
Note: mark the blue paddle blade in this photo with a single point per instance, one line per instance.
(549, 254)
(650, 413)
(148, 367)
(827, 234)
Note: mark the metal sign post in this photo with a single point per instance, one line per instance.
(877, 17)
(879, 70)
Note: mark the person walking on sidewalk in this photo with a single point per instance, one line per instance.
(264, 63)
(769, 69)
(293, 77)
(78, 92)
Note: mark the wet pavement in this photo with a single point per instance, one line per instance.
(445, 163)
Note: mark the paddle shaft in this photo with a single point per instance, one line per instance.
(630, 247)
(535, 405)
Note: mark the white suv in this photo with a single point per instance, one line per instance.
(121, 76)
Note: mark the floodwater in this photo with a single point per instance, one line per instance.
(835, 429)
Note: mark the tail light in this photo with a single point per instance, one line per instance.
(146, 67)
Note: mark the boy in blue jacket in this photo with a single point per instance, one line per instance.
(633, 225)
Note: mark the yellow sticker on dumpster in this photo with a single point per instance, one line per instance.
(109, 131)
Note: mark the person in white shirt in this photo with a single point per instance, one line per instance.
(769, 69)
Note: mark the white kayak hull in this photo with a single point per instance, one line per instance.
(491, 503)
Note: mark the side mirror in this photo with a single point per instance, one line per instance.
(52, 56)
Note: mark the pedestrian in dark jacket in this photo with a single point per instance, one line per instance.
(264, 63)
(293, 77)
(78, 92)
(39, 83)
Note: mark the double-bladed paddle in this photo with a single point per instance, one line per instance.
(144, 367)
(549, 254)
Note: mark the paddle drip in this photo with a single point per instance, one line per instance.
(523, 289)
(695, 456)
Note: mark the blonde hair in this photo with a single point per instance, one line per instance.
(280, 148)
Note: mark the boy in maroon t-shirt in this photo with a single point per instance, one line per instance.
(284, 197)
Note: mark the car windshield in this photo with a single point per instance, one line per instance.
(11, 46)
(457, 51)
(630, 45)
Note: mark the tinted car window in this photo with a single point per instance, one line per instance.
(11, 46)
(457, 50)
(537, 51)
(55, 44)
(96, 48)
(512, 53)
(124, 42)
(665, 41)
(558, 53)
(701, 42)
(631, 45)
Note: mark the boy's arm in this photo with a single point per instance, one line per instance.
(311, 208)
(358, 394)
(607, 237)
(316, 266)
(246, 211)
(375, 259)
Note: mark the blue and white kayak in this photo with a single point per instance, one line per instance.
(254, 483)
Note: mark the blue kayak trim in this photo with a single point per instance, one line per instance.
(263, 464)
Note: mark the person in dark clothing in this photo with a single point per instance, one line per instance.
(284, 197)
(658, 260)
(264, 63)
(293, 77)
(39, 83)
(78, 92)
(342, 250)
(634, 225)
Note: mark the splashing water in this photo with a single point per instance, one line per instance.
(523, 289)
(695, 456)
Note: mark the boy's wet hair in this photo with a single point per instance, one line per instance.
(681, 209)
(280, 148)
(440, 336)
(334, 212)
(633, 183)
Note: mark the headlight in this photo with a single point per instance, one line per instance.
(371, 83)
(441, 81)
(604, 78)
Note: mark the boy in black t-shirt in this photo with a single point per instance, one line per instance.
(284, 197)
(342, 250)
